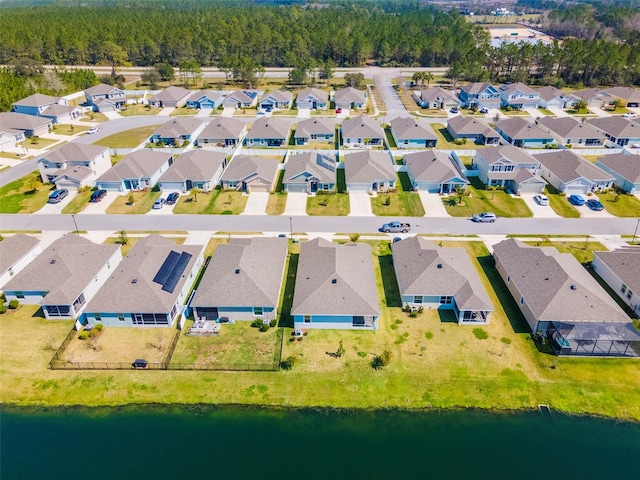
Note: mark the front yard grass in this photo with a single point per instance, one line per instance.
(403, 203)
(480, 200)
(128, 138)
(184, 111)
(69, 129)
(237, 344)
(446, 141)
(133, 110)
(78, 203)
(225, 202)
(329, 205)
(277, 203)
(560, 204)
(41, 143)
(622, 205)
(94, 117)
(143, 202)
(582, 251)
(546, 111)
(25, 195)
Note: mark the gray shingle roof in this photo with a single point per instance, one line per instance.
(625, 264)
(56, 109)
(120, 295)
(195, 165)
(588, 94)
(550, 92)
(244, 273)
(477, 87)
(521, 87)
(411, 129)
(368, 166)
(223, 128)
(21, 121)
(519, 128)
(73, 152)
(351, 265)
(462, 125)
(74, 172)
(568, 166)
(616, 126)
(315, 126)
(567, 127)
(37, 100)
(15, 247)
(178, 127)
(506, 153)
(243, 96)
(350, 95)
(627, 166)
(101, 89)
(545, 277)
(243, 167)
(361, 127)
(138, 164)
(436, 93)
(626, 93)
(278, 95)
(269, 127)
(432, 165)
(319, 95)
(423, 268)
(210, 94)
(171, 94)
(64, 269)
(320, 165)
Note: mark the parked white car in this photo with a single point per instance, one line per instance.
(541, 199)
(629, 115)
(93, 130)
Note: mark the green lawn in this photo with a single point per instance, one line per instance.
(390, 140)
(582, 251)
(69, 129)
(560, 204)
(329, 205)
(229, 203)
(546, 111)
(129, 138)
(143, 202)
(403, 203)
(19, 197)
(480, 200)
(215, 202)
(184, 111)
(620, 205)
(133, 110)
(78, 203)
(276, 204)
(94, 117)
(446, 142)
(41, 143)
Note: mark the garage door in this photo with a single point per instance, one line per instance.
(297, 187)
(358, 187)
(531, 188)
(258, 187)
(575, 189)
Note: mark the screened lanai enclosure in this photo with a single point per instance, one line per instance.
(594, 339)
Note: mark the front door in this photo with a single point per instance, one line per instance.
(189, 185)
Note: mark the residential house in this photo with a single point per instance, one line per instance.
(171, 97)
(620, 269)
(522, 133)
(16, 252)
(369, 171)
(315, 130)
(618, 130)
(312, 99)
(461, 127)
(509, 167)
(31, 125)
(570, 173)
(268, 132)
(105, 98)
(204, 100)
(149, 287)
(74, 165)
(241, 99)
(65, 276)
(480, 94)
(625, 170)
(350, 99)
(518, 95)
(552, 97)
(276, 100)
(310, 172)
(178, 131)
(10, 138)
(243, 280)
(436, 98)
(562, 301)
(362, 131)
(594, 97)
(439, 278)
(630, 96)
(222, 132)
(136, 171)
(55, 108)
(569, 131)
(411, 133)
(250, 174)
(434, 172)
(335, 287)
(199, 169)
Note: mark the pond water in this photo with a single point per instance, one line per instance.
(204, 442)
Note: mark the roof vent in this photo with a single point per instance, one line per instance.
(134, 280)
(574, 287)
(237, 271)
(52, 261)
(439, 265)
(334, 281)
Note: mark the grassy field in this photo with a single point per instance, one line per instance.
(78, 203)
(184, 111)
(434, 364)
(128, 138)
(25, 195)
(214, 202)
(337, 204)
(69, 129)
(94, 117)
(41, 143)
(143, 202)
(446, 142)
(620, 205)
(560, 204)
(276, 204)
(403, 203)
(480, 200)
(582, 251)
(131, 241)
(133, 110)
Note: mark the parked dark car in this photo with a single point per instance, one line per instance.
(595, 205)
(454, 110)
(98, 195)
(140, 364)
(575, 199)
(58, 195)
(172, 198)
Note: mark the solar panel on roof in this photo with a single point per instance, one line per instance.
(166, 268)
(176, 272)
(250, 94)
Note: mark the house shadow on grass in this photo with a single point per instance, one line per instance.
(389, 283)
(38, 313)
(513, 313)
(286, 320)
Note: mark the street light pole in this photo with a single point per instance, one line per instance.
(290, 228)
(635, 233)
(76, 225)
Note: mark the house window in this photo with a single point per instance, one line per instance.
(521, 300)
(257, 311)
(307, 319)
(623, 288)
(58, 310)
(19, 294)
(446, 299)
(314, 136)
(417, 299)
(232, 184)
(97, 317)
(121, 317)
(79, 301)
(406, 142)
(629, 295)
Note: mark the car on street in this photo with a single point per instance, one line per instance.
(454, 110)
(629, 115)
(575, 199)
(395, 227)
(58, 195)
(338, 110)
(97, 196)
(172, 198)
(93, 130)
(484, 110)
(541, 199)
(158, 204)
(484, 217)
(594, 204)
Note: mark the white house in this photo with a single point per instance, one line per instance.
(509, 167)
(620, 269)
(369, 171)
(199, 169)
(570, 173)
(16, 252)
(136, 171)
(74, 165)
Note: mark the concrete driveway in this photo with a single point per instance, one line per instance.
(304, 113)
(433, 206)
(165, 210)
(600, 112)
(539, 211)
(586, 212)
(57, 207)
(256, 204)
(296, 204)
(558, 112)
(227, 112)
(101, 206)
(360, 204)
(534, 112)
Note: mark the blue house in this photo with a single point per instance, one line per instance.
(204, 99)
(177, 131)
(409, 133)
(434, 172)
(480, 94)
(105, 98)
(518, 95)
(521, 133)
(625, 169)
(242, 281)
(136, 171)
(315, 130)
(335, 287)
(310, 172)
